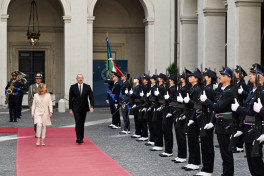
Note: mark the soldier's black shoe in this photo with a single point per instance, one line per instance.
(15, 120)
(10, 120)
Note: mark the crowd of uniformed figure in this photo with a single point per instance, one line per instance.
(195, 106)
(14, 92)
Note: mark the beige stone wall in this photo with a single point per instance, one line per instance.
(123, 20)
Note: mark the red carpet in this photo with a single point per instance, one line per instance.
(8, 130)
(62, 156)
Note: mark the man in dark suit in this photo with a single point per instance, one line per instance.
(79, 106)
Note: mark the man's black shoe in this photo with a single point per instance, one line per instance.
(15, 120)
(10, 120)
(78, 141)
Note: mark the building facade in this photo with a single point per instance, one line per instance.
(149, 34)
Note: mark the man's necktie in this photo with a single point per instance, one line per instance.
(80, 87)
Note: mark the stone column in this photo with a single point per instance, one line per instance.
(90, 49)
(149, 46)
(188, 40)
(211, 34)
(244, 33)
(3, 57)
(67, 55)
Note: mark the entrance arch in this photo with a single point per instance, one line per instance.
(64, 3)
(149, 34)
(44, 45)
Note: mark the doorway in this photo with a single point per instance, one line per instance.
(30, 63)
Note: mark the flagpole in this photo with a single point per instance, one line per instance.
(108, 72)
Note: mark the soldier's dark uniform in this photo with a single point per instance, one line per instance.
(21, 94)
(124, 104)
(207, 141)
(114, 104)
(223, 121)
(193, 130)
(255, 164)
(136, 96)
(13, 98)
(151, 111)
(241, 97)
(168, 119)
(158, 121)
(110, 84)
(180, 120)
(144, 105)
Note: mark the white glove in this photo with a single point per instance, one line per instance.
(116, 106)
(144, 109)
(183, 117)
(215, 86)
(167, 96)
(159, 108)
(156, 93)
(208, 126)
(261, 138)
(107, 101)
(187, 98)
(203, 97)
(149, 93)
(134, 106)
(141, 93)
(190, 122)
(240, 90)
(126, 91)
(131, 91)
(235, 106)
(149, 109)
(257, 106)
(238, 133)
(179, 98)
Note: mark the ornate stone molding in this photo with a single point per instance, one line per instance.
(67, 19)
(90, 19)
(4, 17)
(214, 12)
(149, 21)
(248, 3)
(189, 20)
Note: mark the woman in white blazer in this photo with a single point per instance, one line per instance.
(42, 112)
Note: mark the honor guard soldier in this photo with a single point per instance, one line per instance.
(242, 95)
(21, 92)
(180, 119)
(191, 126)
(12, 96)
(114, 103)
(152, 111)
(124, 102)
(206, 125)
(135, 95)
(159, 93)
(143, 121)
(170, 96)
(223, 111)
(110, 83)
(251, 113)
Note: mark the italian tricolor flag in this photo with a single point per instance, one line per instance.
(110, 63)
